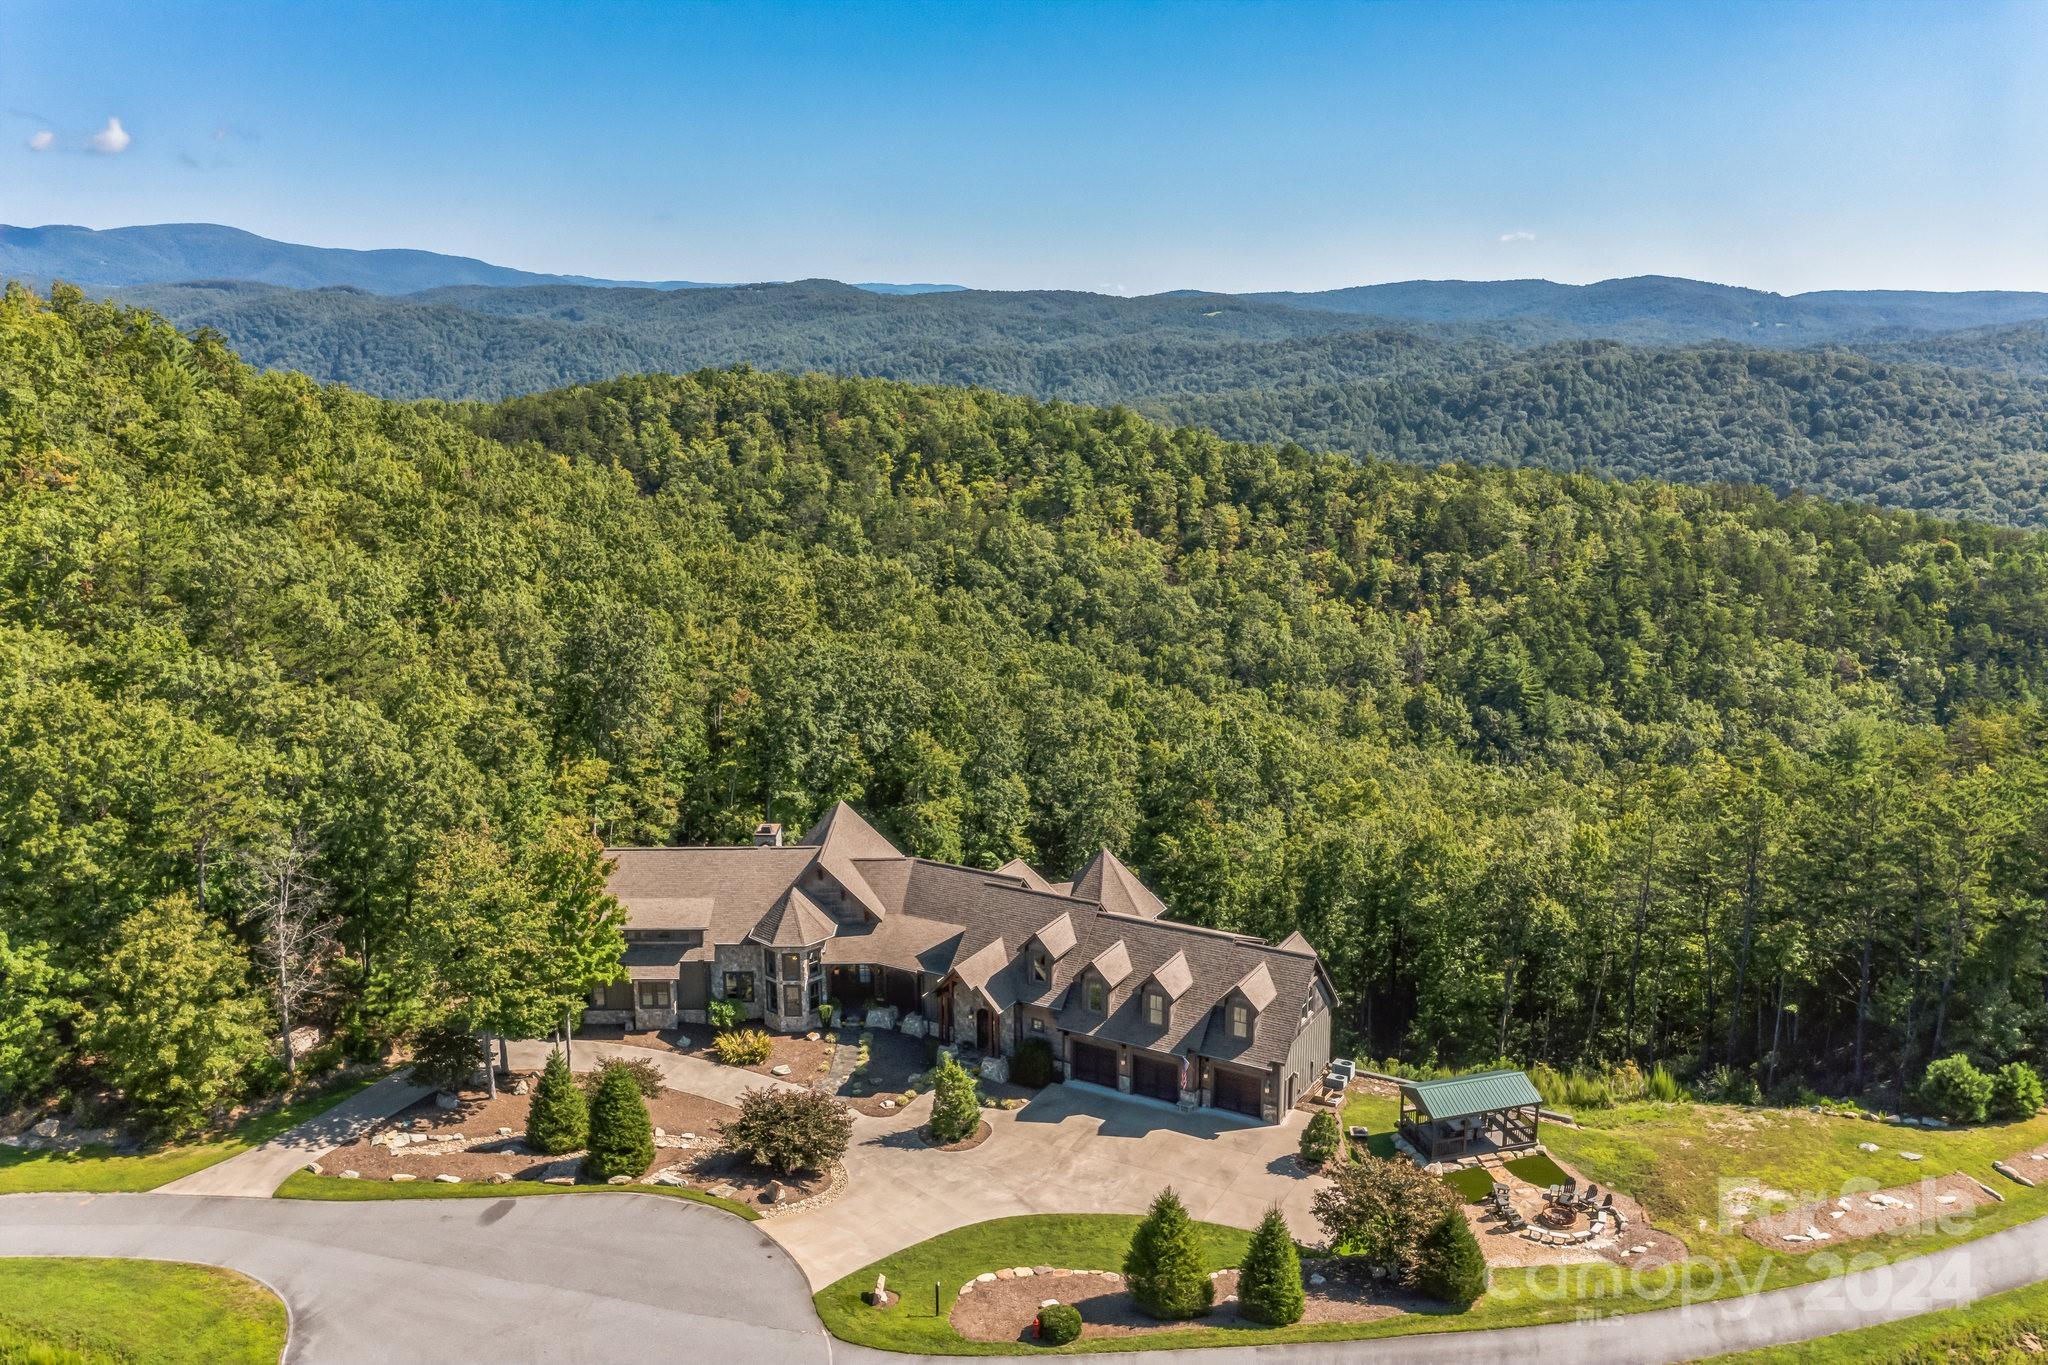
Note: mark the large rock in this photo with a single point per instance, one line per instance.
(48, 1128)
(881, 1017)
(620, 1180)
(400, 1177)
(520, 1087)
(447, 1100)
(996, 1069)
(446, 1179)
(914, 1026)
(499, 1178)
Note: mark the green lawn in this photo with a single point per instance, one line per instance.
(2008, 1326)
(306, 1185)
(1538, 1170)
(1473, 1184)
(1671, 1157)
(1378, 1113)
(65, 1310)
(99, 1169)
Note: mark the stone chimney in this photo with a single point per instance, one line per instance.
(767, 834)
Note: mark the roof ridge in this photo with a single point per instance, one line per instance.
(1245, 940)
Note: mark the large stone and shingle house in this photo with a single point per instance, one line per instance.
(984, 960)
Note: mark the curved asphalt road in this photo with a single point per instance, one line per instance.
(614, 1276)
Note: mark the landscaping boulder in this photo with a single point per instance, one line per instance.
(47, 1128)
(779, 1069)
(314, 1168)
(446, 1179)
(620, 1180)
(559, 1180)
(447, 1100)
(400, 1177)
(351, 1175)
(882, 1017)
(774, 1194)
(914, 1026)
(995, 1069)
(520, 1087)
(498, 1178)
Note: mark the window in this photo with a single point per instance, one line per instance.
(792, 999)
(867, 974)
(1095, 994)
(1038, 1025)
(617, 996)
(1155, 1009)
(654, 995)
(1240, 1020)
(739, 985)
(1038, 967)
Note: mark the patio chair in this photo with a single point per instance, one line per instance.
(1608, 1201)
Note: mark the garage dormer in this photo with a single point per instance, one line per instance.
(1047, 947)
(1245, 1001)
(1166, 983)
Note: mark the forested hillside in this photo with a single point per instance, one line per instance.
(1545, 765)
(1971, 442)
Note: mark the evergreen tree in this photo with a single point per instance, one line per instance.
(1269, 1280)
(1450, 1267)
(1321, 1138)
(621, 1136)
(1164, 1268)
(557, 1117)
(2016, 1091)
(956, 1104)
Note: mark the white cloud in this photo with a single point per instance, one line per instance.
(43, 140)
(112, 139)
(1518, 236)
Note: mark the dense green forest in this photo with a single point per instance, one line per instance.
(1833, 422)
(1545, 765)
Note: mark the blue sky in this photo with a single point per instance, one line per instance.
(1122, 148)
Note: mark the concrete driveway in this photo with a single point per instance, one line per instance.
(590, 1277)
(1072, 1149)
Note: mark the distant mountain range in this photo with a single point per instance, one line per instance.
(163, 253)
(1925, 400)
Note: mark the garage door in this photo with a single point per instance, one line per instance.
(1238, 1091)
(1095, 1064)
(1157, 1077)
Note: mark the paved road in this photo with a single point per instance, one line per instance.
(258, 1172)
(594, 1277)
(614, 1276)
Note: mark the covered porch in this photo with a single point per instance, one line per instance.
(1466, 1116)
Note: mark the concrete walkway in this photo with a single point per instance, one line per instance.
(256, 1173)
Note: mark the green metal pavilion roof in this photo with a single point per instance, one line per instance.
(1480, 1093)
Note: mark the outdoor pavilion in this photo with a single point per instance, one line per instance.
(1488, 1111)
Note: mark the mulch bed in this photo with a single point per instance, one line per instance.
(1853, 1216)
(808, 1060)
(479, 1118)
(966, 1144)
(717, 1173)
(1003, 1309)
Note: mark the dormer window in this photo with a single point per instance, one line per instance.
(1155, 1009)
(1095, 994)
(1038, 971)
(1240, 1020)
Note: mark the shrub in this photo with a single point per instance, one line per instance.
(1059, 1323)
(621, 1137)
(743, 1047)
(1730, 1086)
(1269, 1281)
(1381, 1208)
(1164, 1269)
(445, 1056)
(724, 1014)
(1032, 1064)
(1662, 1086)
(1449, 1264)
(646, 1075)
(1956, 1090)
(2016, 1091)
(557, 1117)
(956, 1108)
(1321, 1139)
(826, 1009)
(787, 1130)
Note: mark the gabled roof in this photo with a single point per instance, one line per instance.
(1173, 976)
(794, 921)
(1024, 873)
(1295, 943)
(1116, 888)
(1056, 937)
(841, 838)
(1482, 1092)
(988, 971)
(1257, 987)
(1113, 962)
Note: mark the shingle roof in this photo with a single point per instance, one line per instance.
(794, 921)
(1116, 888)
(1024, 873)
(1174, 976)
(1257, 987)
(1057, 936)
(935, 917)
(1480, 1093)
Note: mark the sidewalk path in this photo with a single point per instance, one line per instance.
(693, 1075)
(256, 1173)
